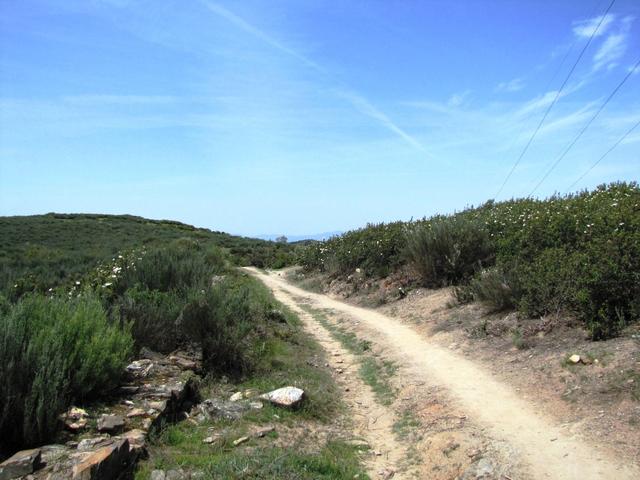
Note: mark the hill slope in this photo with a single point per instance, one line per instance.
(41, 251)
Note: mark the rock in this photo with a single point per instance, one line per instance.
(136, 412)
(137, 440)
(21, 463)
(574, 358)
(250, 393)
(239, 441)
(159, 405)
(157, 475)
(183, 363)
(90, 443)
(151, 355)
(480, 470)
(140, 368)
(586, 360)
(285, 397)
(236, 396)
(261, 432)
(256, 405)
(110, 423)
(106, 463)
(146, 424)
(213, 408)
(75, 419)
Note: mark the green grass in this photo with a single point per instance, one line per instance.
(180, 446)
(286, 359)
(406, 425)
(374, 372)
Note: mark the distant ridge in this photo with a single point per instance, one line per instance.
(298, 238)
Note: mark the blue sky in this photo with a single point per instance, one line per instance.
(294, 116)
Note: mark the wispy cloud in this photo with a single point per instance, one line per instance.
(366, 108)
(586, 28)
(511, 86)
(614, 46)
(359, 102)
(458, 99)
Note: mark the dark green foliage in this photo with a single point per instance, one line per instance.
(46, 251)
(227, 320)
(54, 351)
(152, 315)
(448, 250)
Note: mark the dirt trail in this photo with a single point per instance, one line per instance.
(544, 448)
(372, 422)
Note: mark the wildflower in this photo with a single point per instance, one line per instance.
(77, 282)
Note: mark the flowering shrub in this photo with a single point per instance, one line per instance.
(578, 253)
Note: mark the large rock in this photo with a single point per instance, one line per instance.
(106, 463)
(213, 408)
(285, 397)
(110, 423)
(21, 463)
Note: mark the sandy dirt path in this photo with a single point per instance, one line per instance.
(544, 448)
(371, 422)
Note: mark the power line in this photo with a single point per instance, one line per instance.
(604, 155)
(577, 137)
(546, 113)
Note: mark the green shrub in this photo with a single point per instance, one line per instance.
(54, 351)
(227, 320)
(152, 315)
(494, 287)
(448, 250)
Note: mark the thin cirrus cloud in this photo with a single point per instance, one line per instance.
(614, 46)
(514, 85)
(360, 103)
(587, 28)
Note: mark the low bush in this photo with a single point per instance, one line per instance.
(498, 289)
(54, 351)
(448, 250)
(228, 320)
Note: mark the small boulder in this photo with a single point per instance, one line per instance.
(236, 397)
(574, 358)
(22, 463)
(75, 419)
(136, 412)
(285, 397)
(110, 423)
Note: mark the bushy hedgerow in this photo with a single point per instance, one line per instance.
(577, 253)
(376, 249)
(54, 351)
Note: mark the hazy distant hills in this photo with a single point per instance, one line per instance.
(298, 238)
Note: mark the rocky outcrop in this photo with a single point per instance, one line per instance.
(104, 442)
(21, 463)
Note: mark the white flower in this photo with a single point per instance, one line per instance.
(77, 282)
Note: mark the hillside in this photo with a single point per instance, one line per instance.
(42, 251)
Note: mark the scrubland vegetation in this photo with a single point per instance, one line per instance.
(45, 251)
(577, 254)
(74, 309)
